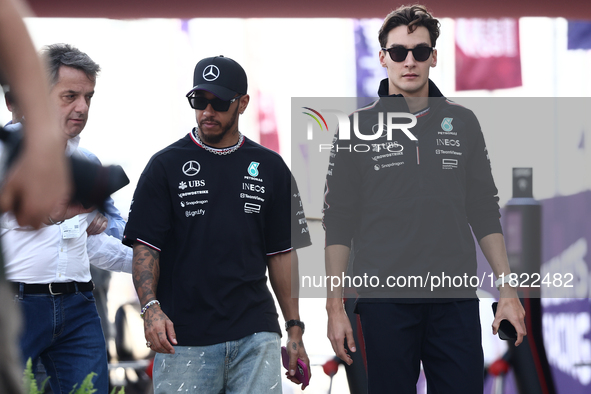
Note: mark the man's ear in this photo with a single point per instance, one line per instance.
(244, 100)
(382, 56)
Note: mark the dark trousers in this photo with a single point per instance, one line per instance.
(446, 337)
(65, 332)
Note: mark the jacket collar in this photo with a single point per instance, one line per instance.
(384, 88)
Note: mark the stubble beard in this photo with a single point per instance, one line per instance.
(216, 138)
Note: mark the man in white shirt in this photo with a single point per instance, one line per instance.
(50, 266)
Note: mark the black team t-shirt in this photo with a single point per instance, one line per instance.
(214, 219)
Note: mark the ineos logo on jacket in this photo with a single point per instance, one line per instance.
(447, 142)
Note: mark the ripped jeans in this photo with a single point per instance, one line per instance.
(249, 365)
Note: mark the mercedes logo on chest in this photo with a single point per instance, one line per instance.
(191, 168)
(211, 73)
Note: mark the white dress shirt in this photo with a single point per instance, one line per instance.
(59, 253)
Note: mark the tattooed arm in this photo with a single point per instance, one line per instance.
(283, 274)
(158, 328)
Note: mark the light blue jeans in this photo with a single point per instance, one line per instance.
(249, 365)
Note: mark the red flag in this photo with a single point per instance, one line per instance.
(267, 124)
(487, 54)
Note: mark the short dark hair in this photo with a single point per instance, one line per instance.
(9, 97)
(58, 55)
(412, 16)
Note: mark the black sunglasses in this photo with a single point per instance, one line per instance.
(218, 105)
(399, 53)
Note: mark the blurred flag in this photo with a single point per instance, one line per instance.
(579, 35)
(267, 124)
(487, 54)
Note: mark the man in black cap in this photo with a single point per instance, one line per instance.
(210, 214)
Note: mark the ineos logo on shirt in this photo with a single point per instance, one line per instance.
(211, 73)
(447, 142)
(191, 168)
(253, 188)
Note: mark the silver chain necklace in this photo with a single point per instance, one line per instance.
(219, 151)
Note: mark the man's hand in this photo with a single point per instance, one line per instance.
(98, 225)
(339, 328)
(66, 210)
(295, 349)
(283, 274)
(510, 308)
(159, 330)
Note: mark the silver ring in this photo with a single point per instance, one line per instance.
(148, 344)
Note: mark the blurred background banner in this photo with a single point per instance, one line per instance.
(367, 47)
(579, 35)
(487, 54)
(267, 123)
(566, 320)
(566, 313)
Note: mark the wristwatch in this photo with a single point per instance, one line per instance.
(290, 323)
(511, 279)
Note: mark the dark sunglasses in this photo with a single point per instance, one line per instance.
(218, 105)
(399, 53)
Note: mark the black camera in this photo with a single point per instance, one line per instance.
(93, 183)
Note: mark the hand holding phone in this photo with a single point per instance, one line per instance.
(302, 374)
(506, 330)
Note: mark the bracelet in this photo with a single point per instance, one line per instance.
(289, 324)
(149, 304)
(511, 279)
(52, 222)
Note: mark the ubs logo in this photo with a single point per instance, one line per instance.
(198, 183)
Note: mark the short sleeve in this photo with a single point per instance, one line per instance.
(150, 214)
(277, 218)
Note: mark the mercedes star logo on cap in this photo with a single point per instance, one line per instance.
(191, 168)
(211, 73)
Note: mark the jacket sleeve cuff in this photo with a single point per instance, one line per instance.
(337, 238)
(487, 226)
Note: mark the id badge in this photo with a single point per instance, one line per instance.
(70, 228)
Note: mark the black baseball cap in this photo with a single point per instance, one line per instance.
(221, 76)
